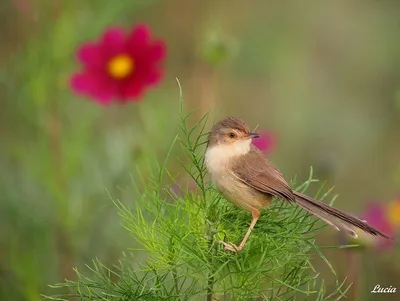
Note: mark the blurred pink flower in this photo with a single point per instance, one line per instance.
(375, 215)
(265, 143)
(120, 66)
(22, 6)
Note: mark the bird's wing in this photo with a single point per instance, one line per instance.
(255, 170)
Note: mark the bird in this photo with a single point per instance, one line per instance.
(247, 178)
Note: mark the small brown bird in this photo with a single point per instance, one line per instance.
(244, 175)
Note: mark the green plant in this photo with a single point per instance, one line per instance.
(179, 236)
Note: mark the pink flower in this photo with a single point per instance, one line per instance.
(22, 6)
(265, 143)
(376, 216)
(120, 66)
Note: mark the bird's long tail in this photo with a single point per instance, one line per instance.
(336, 218)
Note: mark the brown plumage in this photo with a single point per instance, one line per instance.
(248, 179)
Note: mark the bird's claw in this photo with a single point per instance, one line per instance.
(230, 247)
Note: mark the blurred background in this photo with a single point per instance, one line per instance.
(321, 77)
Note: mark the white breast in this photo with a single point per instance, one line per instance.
(217, 157)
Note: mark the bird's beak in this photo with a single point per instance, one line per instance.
(253, 135)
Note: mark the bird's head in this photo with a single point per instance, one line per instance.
(230, 131)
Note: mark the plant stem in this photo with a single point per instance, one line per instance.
(176, 282)
(210, 284)
(353, 272)
(211, 279)
(63, 238)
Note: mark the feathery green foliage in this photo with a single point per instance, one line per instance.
(179, 235)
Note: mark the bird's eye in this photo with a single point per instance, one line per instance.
(232, 135)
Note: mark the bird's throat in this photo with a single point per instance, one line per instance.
(218, 157)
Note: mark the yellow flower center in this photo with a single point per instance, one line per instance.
(121, 66)
(393, 212)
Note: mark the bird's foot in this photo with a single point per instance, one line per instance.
(231, 247)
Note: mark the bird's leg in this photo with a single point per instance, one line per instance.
(234, 248)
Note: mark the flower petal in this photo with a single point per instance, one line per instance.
(153, 77)
(135, 87)
(139, 39)
(157, 51)
(90, 55)
(81, 83)
(141, 33)
(113, 41)
(376, 217)
(133, 90)
(266, 142)
(105, 93)
(101, 89)
(374, 214)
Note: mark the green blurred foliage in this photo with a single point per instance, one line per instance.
(217, 47)
(324, 76)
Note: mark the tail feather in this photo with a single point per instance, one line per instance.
(335, 217)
